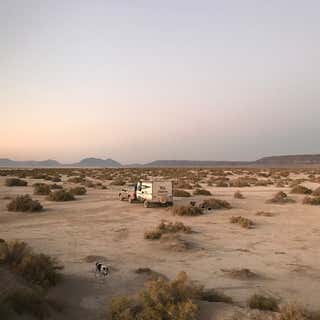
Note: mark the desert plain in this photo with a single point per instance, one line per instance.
(281, 249)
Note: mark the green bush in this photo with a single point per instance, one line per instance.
(24, 203)
(261, 302)
(78, 191)
(186, 211)
(61, 195)
(15, 182)
(41, 189)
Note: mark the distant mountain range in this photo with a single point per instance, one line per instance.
(273, 161)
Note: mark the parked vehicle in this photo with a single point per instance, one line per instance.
(150, 193)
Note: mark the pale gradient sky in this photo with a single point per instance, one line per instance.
(145, 80)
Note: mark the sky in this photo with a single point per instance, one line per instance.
(143, 80)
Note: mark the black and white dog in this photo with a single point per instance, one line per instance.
(102, 269)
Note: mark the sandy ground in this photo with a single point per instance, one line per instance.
(283, 250)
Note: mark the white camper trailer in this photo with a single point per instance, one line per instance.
(150, 193)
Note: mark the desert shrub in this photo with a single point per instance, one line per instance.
(166, 227)
(186, 211)
(78, 191)
(37, 269)
(214, 204)
(261, 302)
(181, 193)
(76, 179)
(61, 195)
(316, 192)
(183, 185)
(13, 252)
(117, 182)
(264, 214)
(29, 301)
(315, 201)
(222, 184)
(242, 221)
(212, 295)
(41, 189)
(15, 182)
(238, 195)
(240, 183)
(242, 274)
(24, 203)
(292, 311)
(160, 299)
(280, 198)
(55, 186)
(201, 192)
(301, 190)
(56, 179)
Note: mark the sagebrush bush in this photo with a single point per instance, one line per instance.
(15, 182)
(37, 269)
(166, 227)
(28, 301)
(24, 203)
(315, 201)
(181, 193)
(280, 198)
(78, 191)
(61, 195)
(238, 195)
(214, 204)
(316, 192)
(186, 211)
(258, 301)
(55, 186)
(301, 190)
(242, 221)
(41, 189)
(201, 192)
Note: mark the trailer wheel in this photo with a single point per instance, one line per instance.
(146, 204)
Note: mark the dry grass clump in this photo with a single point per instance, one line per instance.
(258, 301)
(78, 191)
(165, 300)
(36, 269)
(301, 190)
(182, 185)
(174, 242)
(61, 195)
(201, 192)
(181, 193)
(186, 211)
(238, 195)
(264, 214)
(292, 311)
(242, 274)
(41, 189)
(242, 221)
(280, 198)
(24, 203)
(214, 204)
(166, 227)
(15, 182)
(315, 201)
